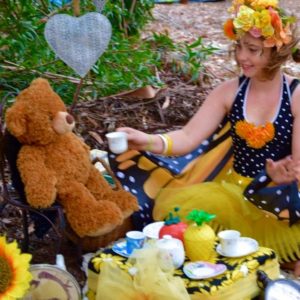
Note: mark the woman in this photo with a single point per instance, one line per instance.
(263, 107)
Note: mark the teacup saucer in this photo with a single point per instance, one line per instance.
(203, 270)
(245, 246)
(120, 248)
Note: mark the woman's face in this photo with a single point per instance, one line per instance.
(252, 56)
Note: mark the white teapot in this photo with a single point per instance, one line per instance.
(171, 247)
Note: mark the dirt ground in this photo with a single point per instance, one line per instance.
(188, 22)
(173, 107)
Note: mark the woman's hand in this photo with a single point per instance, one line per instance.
(282, 171)
(137, 140)
(296, 168)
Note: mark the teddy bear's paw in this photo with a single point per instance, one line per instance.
(94, 219)
(40, 200)
(103, 230)
(125, 201)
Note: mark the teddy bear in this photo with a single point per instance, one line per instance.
(54, 164)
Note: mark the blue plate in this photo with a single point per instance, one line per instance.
(120, 249)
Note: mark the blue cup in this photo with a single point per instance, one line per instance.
(134, 240)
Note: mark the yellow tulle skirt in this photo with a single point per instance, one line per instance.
(224, 198)
(149, 282)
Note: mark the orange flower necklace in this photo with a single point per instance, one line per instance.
(255, 136)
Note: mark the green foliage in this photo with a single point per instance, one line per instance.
(129, 16)
(192, 59)
(24, 54)
(128, 63)
(188, 59)
(200, 216)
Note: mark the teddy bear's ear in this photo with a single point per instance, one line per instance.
(16, 120)
(41, 83)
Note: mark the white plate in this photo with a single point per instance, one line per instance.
(245, 246)
(203, 270)
(151, 231)
(120, 248)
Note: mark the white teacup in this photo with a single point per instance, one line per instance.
(229, 240)
(117, 141)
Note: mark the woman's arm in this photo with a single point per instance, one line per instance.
(200, 127)
(287, 169)
(296, 132)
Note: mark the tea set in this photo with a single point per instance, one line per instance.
(231, 245)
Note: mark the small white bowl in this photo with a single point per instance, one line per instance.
(151, 231)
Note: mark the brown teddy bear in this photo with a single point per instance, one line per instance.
(54, 164)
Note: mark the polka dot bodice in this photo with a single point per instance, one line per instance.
(250, 161)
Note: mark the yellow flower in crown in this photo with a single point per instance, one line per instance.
(245, 19)
(15, 277)
(256, 4)
(262, 24)
(260, 18)
(237, 3)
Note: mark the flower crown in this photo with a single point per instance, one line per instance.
(260, 18)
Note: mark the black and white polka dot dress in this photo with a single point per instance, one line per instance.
(237, 191)
(250, 161)
(240, 195)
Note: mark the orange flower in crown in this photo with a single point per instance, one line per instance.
(229, 29)
(260, 18)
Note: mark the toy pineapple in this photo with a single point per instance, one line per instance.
(199, 238)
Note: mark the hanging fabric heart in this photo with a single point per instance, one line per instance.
(99, 5)
(78, 41)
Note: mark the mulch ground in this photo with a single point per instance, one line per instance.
(170, 109)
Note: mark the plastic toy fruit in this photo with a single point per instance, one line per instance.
(199, 238)
(173, 226)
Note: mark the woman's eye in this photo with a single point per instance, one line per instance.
(253, 50)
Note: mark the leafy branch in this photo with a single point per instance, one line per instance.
(24, 53)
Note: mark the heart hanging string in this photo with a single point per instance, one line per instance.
(76, 7)
(99, 4)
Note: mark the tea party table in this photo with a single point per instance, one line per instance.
(236, 282)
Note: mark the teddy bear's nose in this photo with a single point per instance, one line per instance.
(69, 119)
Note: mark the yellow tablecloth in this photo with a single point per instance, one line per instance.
(237, 283)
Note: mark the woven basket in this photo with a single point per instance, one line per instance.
(92, 244)
(87, 243)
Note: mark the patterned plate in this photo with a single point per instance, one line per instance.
(120, 248)
(203, 270)
(151, 231)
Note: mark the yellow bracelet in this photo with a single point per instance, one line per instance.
(149, 146)
(169, 149)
